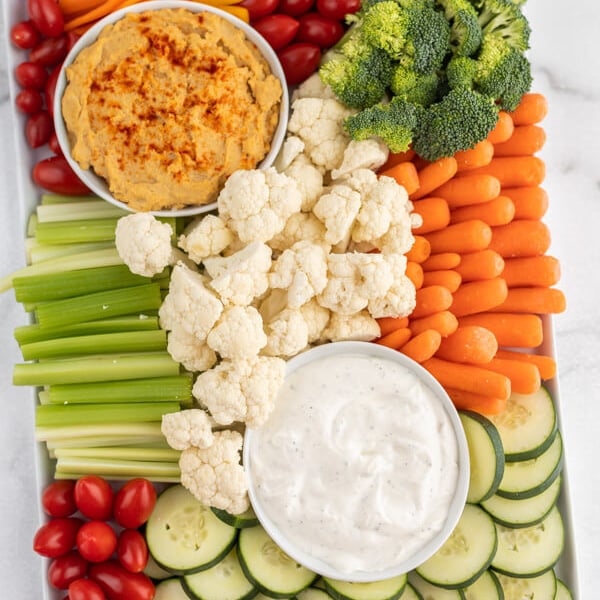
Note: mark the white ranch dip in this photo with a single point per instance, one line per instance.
(358, 464)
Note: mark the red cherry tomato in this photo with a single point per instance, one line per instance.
(50, 88)
(50, 52)
(299, 61)
(31, 75)
(132, 550)
(259, 8)
(337, 9)
(38, 129)
(317, 29)
(58, 499)
(54, 145)
(85, 589)
(29, 101)
(93, 494)
(56, 537)
(46, 16)
(278, 30)
(24, 35)
(134, 503)
(66, 569)
(96, 541)
(295, 8)
(119, 584)
(55, 175)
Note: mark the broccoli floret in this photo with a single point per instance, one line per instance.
(461, 72)
(413, 87)
(385, 25)
(458, 122)
(394, 123)
(504, 18)
(465, 31)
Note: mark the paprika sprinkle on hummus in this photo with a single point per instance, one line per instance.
(166, 104)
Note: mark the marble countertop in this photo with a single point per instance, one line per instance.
(565, 56)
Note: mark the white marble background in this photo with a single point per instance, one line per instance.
(566, 63)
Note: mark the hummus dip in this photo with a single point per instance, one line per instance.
(166, 104)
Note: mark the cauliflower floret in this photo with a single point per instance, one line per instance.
(291, 147)
(302, 270)
(241, 277)
(187, 428)
(241, 390)
(192, 353)
(205, 236)
(287, 333)
(238, 333)
(299, 227)
(313, 87)
(256, 204)
(337, 209)
(355, 278)
(364, 154)
(316, 317)
(361, 327)
(398, 239)
(318, 122)
(360, 180)
(399, 299)
(189, 306)
(214, 475)
(308, 178)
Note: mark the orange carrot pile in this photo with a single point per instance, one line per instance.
(480, 264)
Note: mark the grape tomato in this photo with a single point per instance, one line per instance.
(278, 30)
(31, 75)
(134, 503)
(337, 9)
(317, 29)
(299, 61)
(24, 35)
(66, 569)
(55, 175)
(85, 589)
(259, 8)
(54, 145)
(132, 550)
(119, 584)
(38, 129)
(29, 101)
(96, 541)
(56, 537)
(46, 16)
(93, 494)
(295, 8)
(50, 52)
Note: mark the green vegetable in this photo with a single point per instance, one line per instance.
(465, 31)
(408, 85)
(503, 18)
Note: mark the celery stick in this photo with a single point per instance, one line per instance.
(32, 225)
(93, 431)
(40, 252)
(77, 211)
(115, 477)
(27, 334)
(60, 199)
(41, 288)
(110, 468)
(99, 305)
(120, 453)
(95, 368)
(151, 389)
(48, 415)
(104, 343)
(70, 232)
(99, 441)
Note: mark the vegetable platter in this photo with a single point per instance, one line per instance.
(566, 568)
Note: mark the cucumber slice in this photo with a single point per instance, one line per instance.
(224, 581)
(313, 593)
(429, 591)
(388, 589)
(562, 591)
(527, 426)
(530, 551)
(410, 593)
(170, 589)
(466, 554)
(268, 567)
(245, 519)
(528, 478)
(519, 588)
(184, 536)
(524, 512)
(486, 456)
(487, 586)
(155, 571)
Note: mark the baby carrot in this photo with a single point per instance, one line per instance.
(441, 261)
(434, 212)
(503, 129)
(480, 155)
(423, 346)
(535, 270)
(485, 405)
(530, 202)
(469, 189)
(415, 273)
(512, 171)
(396, 158)
(444, 322)
(420, 251)
(241, 12)
(525, 141)
(524, 377)
(537, 300)
(546, 364)
(434, 175)
(97, 12)
(389, 324)
(469, 236)
(520, 238)
(469, 378)
(532, 109)
(479, 296)
(395, 339)
(470, 344)
(71, 7)
(485, 264)
(450, 279)
(498, 211)
(512, 330)
(405, 174)
(430, 300)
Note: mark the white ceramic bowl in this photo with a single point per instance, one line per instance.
(98, 184)
(456, 505)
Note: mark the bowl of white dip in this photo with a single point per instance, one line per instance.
(361, 472)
